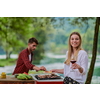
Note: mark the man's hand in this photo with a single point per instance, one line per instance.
(39, 68)
(36, 68)
(42, 68)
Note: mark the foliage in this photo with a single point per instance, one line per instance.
(83, 25)
(52, 33)
(4, 62)
(88, 40)
(39, 52)
(15, 32)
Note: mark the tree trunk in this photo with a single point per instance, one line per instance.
(8, 54)
(94, 52)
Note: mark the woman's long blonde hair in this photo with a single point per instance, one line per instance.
(70, 49)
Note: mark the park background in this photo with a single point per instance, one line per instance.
(52, 34)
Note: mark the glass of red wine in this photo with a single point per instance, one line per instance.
(73, 60)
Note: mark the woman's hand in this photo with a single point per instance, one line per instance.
(76, 66)
(54, 70)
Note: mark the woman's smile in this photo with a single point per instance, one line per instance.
(75, 41)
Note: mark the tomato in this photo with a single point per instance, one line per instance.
(25, 73)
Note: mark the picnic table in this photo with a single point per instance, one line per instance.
(10, 79)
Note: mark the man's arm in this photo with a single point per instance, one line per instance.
(28, 64)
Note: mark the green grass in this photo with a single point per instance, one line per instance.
(7, 62)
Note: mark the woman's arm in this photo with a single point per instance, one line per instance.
(61, 71)
(83, 58)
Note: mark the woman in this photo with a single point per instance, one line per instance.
(74, 73)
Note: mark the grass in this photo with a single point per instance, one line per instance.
(7, 62)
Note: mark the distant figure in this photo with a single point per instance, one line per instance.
(76, 63)
(25, 58)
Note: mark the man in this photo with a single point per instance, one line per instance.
(25, 58)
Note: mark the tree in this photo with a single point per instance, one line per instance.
(94, 51)
(15, 32)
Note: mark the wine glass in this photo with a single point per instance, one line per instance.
(73, 60)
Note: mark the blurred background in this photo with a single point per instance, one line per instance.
(52, 34)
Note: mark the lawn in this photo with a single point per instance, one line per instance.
(7, 62)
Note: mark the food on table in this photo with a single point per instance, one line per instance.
(25, 73)
(48, 71)
(51, 76)
(24, 77)
(3, 75)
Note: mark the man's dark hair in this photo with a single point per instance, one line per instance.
(31, 40)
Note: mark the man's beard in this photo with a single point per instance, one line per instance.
(32, 50)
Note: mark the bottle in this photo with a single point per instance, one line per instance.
(3, 75)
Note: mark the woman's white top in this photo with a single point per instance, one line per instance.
(82, 60)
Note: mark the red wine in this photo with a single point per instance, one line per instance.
(72, 61)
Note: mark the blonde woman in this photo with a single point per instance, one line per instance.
(76, 63)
